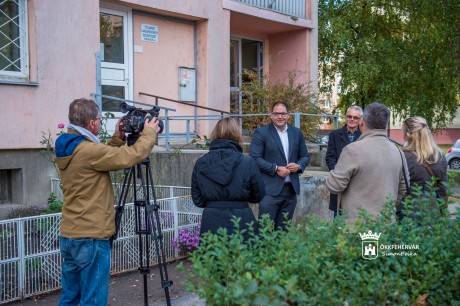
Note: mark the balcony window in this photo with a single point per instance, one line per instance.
(13, 40)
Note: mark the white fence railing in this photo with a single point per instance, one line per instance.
(30, 262)
(161, 191)
(289, 7)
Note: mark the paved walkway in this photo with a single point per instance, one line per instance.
(189, 299)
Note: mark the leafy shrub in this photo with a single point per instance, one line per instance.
(454, 177)
(321, 263)
(25, 211)
(259, 94)
(54, 205)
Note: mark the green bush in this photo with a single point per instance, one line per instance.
(26, 211)
(54, 205)
(321, 263)
(454, 178)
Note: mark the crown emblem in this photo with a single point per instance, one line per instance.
(370, 236)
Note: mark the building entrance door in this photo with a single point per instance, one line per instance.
(115, 60)
(245, 54)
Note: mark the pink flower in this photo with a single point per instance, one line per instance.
(61, 125)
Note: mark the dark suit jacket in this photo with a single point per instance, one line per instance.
(268, 152)
(338, 139)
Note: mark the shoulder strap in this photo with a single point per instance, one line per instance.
(404, 173)
(428, 168)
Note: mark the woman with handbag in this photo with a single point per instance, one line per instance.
(424, 161)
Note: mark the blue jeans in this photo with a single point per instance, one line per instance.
(85, 271)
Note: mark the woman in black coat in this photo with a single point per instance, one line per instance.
(224, 181)
(424, 158)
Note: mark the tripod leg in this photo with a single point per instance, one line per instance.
(121, 202)
(142, 229)
(157, 237)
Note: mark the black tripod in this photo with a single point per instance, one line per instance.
(147, 220)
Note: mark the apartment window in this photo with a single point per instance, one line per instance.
(13, 40)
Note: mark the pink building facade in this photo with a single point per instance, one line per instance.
(185, 51)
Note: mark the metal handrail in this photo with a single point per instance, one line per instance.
(131, 101)
(167, 134)
(183, 103)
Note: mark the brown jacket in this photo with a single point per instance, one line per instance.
(367, 173)
(88, 210)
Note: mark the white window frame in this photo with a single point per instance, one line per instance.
(22, 75)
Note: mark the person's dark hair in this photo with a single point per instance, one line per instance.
(280, 103)
(82, 111)
(227, 128)
(376, 116)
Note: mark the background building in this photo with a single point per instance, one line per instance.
(192, 52)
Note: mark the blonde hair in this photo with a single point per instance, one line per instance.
(227, 128)
(420, 141)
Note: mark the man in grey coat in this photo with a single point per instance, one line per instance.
(369, 171)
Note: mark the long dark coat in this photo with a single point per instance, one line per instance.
(419, 175)
(338, 139)
(223, 182)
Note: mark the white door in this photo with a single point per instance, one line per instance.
(116, 60)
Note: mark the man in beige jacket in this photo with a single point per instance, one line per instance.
(88, 210)
(369, 171)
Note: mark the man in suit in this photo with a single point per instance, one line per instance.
(281, 154)
(338, 139)
(370, 170)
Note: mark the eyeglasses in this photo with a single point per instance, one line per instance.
(279, 114)
(353, 117)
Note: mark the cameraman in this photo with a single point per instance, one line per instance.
(88, 211)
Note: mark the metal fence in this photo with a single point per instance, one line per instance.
(161, 191)
(30, 262)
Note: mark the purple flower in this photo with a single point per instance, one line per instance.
(61, 125)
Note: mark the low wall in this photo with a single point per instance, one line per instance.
(314, 197)
(175, 168)
(25, 174)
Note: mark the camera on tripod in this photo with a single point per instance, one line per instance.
(133, 122)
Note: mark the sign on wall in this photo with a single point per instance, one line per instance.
(149, 32)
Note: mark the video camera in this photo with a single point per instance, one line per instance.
(133, 122)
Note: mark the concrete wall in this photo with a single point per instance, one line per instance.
(176, 170)
(314, 197)
(63, 43)
(31, 172)
(29, 182)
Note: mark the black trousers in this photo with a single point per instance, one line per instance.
(277, 207)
